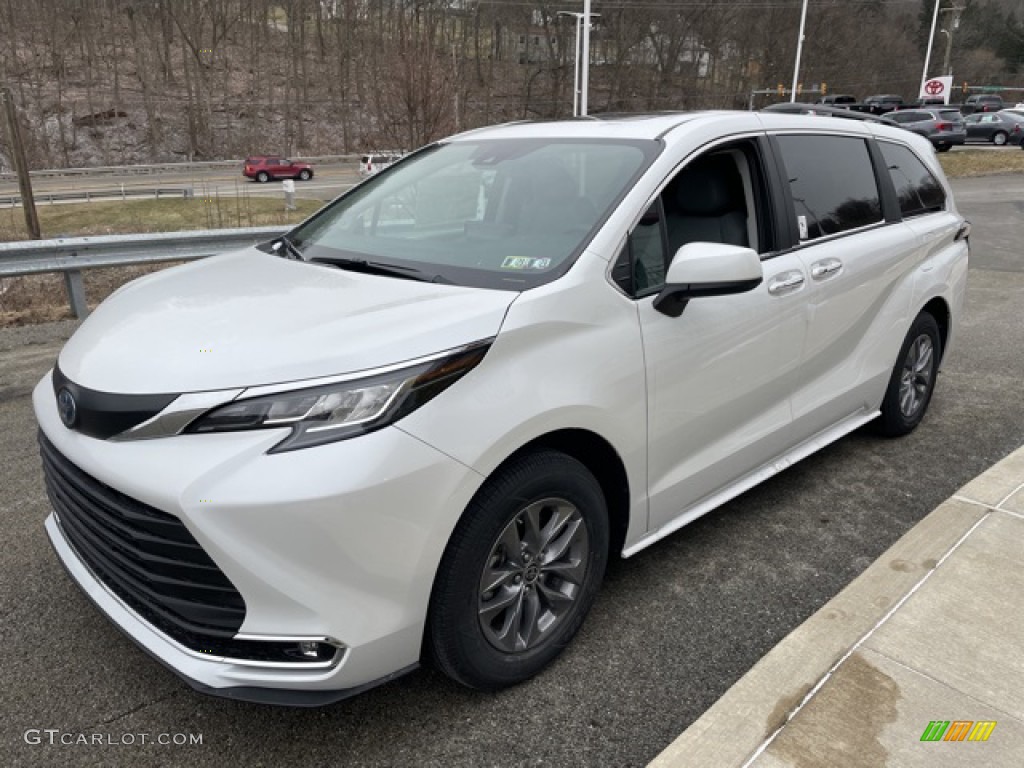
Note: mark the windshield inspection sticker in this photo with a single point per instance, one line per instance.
(524, 262)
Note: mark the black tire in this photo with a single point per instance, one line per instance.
(262, 177)
(305, 175)
(913, 380)
(463, 635)
(943, 147)
(999, 138)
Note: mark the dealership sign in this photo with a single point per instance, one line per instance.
(936, 88)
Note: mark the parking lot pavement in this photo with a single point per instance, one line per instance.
(672, 630)
(920, 648)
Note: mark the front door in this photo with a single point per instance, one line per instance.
(719, 376)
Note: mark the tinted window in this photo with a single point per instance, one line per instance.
(918, 191)
(910, 117)
(832, 183)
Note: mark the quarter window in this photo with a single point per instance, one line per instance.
(832, 183)
(917, 189)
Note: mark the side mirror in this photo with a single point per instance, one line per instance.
(707, 269)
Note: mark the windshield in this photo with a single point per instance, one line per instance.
(500, 213)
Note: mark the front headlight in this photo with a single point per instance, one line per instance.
(330, 412)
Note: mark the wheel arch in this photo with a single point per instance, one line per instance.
(599, 457)
(602, 460)
(939, 309)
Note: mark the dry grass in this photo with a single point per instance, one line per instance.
(981, 162)
(41, 298)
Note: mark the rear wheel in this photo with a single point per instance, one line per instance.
(520, 572)
(262, 177)
(913, 379)
(943, 147)
(999, 138)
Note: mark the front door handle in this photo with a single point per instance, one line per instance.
(820, 270)
(787, 282)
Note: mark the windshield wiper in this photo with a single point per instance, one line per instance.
(380, 268)
(291, 250)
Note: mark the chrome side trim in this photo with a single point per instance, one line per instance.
(178, 415)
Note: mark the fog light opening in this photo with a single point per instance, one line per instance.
(310, 650)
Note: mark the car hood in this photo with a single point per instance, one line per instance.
(249, 318)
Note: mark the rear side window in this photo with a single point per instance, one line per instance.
(917, 189)
(910, 117)
(832, 183)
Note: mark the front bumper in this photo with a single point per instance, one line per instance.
(340, 541)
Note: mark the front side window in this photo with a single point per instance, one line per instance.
(498, 213)
(918, 190)
(718, 197)
(832, 183)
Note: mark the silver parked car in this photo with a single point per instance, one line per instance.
(944, 128)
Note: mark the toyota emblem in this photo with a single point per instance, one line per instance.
(67, 408)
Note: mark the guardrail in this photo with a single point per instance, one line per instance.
(71, 255)
(88, 195)
(183, 168)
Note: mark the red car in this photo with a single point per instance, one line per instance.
(266, 167)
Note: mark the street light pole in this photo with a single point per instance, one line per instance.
(575, 62)
(585, 58)
(799, 50)
(576, 67)
(946, 69)
(579, 99)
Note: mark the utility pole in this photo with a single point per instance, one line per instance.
(28, 203)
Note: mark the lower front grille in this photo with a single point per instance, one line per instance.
(149, 559)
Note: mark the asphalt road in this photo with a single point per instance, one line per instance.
(329, 181)
(673, 628)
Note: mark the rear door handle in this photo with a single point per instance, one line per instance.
(786, 282)
(820, 270)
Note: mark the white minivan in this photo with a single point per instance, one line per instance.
(416, 427)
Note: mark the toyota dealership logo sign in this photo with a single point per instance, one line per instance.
(936, 88)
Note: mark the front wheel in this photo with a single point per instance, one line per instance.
(520, 572)
(913, 379)
(999, 138)
(943, 147)
(305, 175)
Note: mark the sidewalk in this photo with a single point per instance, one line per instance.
(932, 631)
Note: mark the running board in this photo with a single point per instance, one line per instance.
(745, 483)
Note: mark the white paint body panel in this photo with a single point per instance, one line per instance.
(344, 539)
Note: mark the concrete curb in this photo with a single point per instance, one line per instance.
(762, 702)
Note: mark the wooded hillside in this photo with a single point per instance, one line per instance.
(123, 81)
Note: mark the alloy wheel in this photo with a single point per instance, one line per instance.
(533, 575)
(916, 377)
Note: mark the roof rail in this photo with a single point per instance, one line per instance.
(799, 108)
